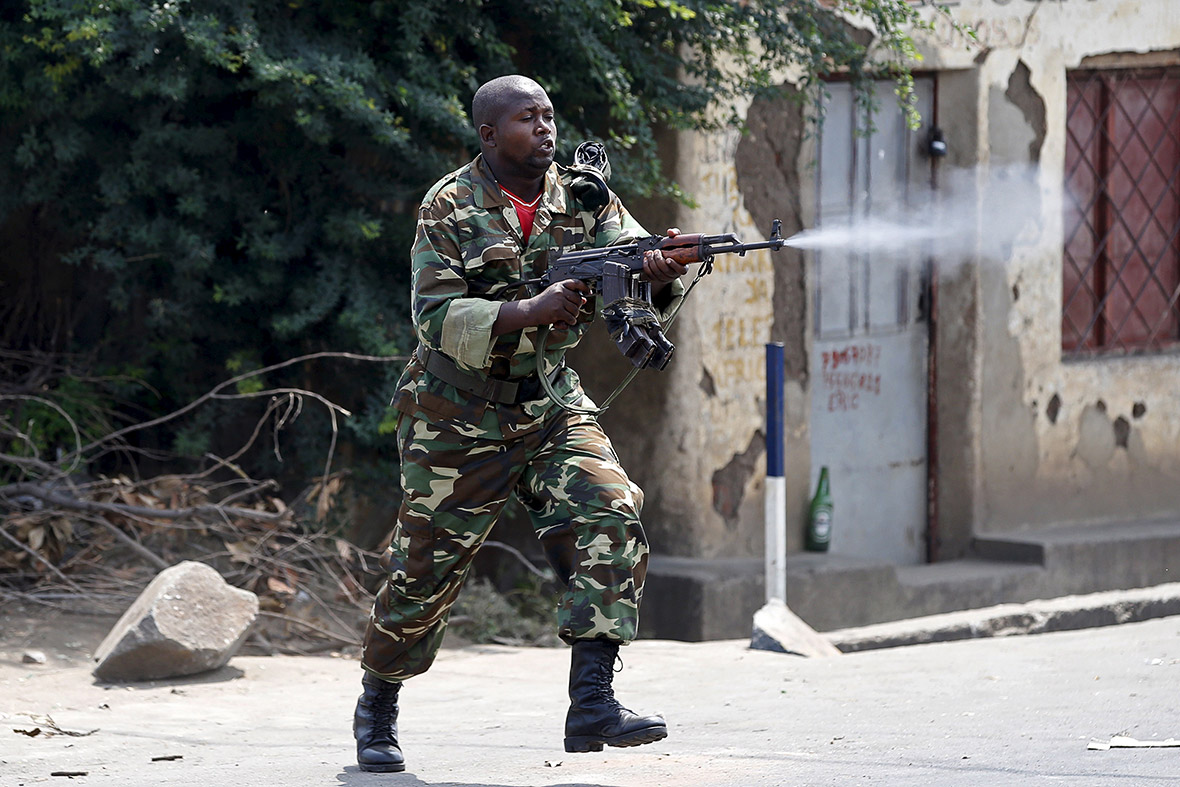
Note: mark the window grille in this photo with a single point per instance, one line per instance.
(1122, 212)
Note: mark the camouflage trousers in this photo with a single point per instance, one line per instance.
(583, 507)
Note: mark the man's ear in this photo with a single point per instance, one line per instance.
(487, 135)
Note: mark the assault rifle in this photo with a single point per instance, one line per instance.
(614, 272)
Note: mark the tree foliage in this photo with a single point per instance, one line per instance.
(236, 179)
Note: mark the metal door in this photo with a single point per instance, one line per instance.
(869, 350)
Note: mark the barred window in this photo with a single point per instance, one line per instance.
(1122, 212)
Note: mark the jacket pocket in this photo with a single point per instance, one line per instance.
(491, 253)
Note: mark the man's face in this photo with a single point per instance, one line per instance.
(524, 136)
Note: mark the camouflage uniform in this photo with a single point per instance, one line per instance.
(463, 455)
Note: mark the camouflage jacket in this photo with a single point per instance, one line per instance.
(468, 258)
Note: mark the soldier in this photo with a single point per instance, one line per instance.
(475, 426)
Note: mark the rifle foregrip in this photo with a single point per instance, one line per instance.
(681, 240)
(683, 254)
(683, 248)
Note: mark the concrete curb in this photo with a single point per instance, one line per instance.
(1067, 613)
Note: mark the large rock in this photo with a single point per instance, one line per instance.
(188, 620)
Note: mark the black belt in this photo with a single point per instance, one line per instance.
(491, 388)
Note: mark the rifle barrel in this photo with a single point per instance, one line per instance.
(684, 248)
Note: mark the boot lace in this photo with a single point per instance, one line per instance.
(385, 709)
(604, 680)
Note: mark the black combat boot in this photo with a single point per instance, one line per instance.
(375, 726)
(595, 717)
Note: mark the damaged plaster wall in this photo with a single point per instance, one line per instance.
(768, 165)
(1016, 133)
(721, 372)
(1025, 439)
(693, 435)
(956, 359)
(1073, 440)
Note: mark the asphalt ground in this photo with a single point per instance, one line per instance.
(1015, 710)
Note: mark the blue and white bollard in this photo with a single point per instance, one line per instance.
(776, 627)
(776, 482)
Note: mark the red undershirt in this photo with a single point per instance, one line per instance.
(525, 211)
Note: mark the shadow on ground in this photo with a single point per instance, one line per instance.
(353, 776)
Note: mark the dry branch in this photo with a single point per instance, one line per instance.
(29, 550)
(74, 504)
(101, 541)
(143, 551)
(310, 627)
(215, 393)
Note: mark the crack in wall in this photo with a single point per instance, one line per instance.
(766, 162)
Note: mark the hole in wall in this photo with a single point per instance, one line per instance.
(707, 384)
(1053, 409)
(1122, 430)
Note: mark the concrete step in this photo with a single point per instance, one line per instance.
(1008, 550)
(702, 599)
(1067, 613)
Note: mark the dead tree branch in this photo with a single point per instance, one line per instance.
(104, 538)
(309, 627)
(215, 393)
(60, 411)
(74, 504)
(33, 553)
(516, 553)
(139, 548)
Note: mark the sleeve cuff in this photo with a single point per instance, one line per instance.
(467, 331)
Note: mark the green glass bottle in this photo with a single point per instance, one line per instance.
(819, 522)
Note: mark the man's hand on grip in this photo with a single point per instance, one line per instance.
(558, 305)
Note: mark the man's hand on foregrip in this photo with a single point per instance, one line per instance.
(557, 305)
(662, 268)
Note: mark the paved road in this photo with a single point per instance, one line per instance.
(1005, 711)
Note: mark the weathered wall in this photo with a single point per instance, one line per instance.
(693, 435)
(1024, 439)
(768, 166)
(955, 337)
(714, 491)
(1054, 441)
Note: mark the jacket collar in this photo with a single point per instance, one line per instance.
(489, 195)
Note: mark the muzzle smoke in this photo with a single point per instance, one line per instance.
(973, 214)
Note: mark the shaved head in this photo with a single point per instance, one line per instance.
(498, 95)
(517, 133)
